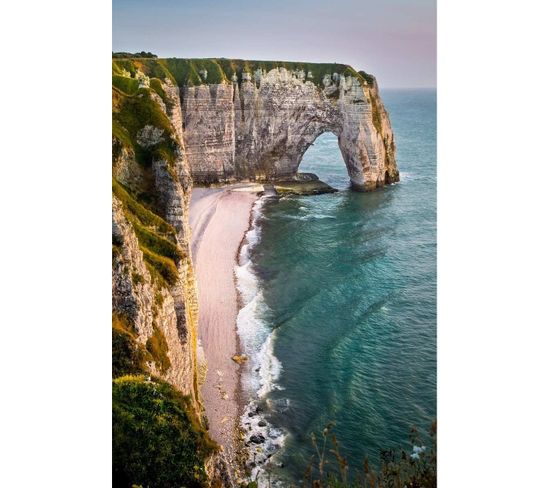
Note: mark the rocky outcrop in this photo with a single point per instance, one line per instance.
(260, 128)
(152, 305)
(148, 306)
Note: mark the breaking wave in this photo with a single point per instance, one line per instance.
(262, 370)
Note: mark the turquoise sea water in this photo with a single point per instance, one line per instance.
(344, 314)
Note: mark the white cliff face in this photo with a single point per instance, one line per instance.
(148, 303)
(261, 128)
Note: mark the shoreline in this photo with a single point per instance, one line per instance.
(219, 220)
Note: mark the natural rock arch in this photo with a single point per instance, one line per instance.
(308, 160)
(260, 128)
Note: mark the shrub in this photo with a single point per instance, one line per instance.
(368, 78)
(128, 357)
(160, 267)
(157, 440)
(158, 348)
(142, 54)
(398, 468)
(157, 244)
(143, 214)
(132, 112)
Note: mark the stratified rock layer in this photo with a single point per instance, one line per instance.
(260, 128)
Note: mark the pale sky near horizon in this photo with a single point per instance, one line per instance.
(393, 39)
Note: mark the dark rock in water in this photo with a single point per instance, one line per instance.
(262, 423)
(303, 184)
(257, 369)
(251, 414)
(257, 439)
(259, 409)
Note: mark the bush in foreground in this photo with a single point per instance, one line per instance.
(157, 440)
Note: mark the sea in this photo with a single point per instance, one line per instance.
(339, 307)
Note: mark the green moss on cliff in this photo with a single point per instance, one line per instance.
(128, 86)
(158, 348)
(160, 267)
(156, 85)
(156, 243)
(145, 216)
(157, 238)
(157, 438)
(368, 78)
(376, 117)
(128, 357)
(131, 113)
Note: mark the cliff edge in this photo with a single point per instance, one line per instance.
(254, 120)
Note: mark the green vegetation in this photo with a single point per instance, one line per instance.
(157, 238)
(158, 348)
(142, 54)
(131, 113)
(156, 243)
(376, 118)
(162, 269)
(157, 439)
(128, 357)
(128, 86)
(145, 216)
(156, 85)
(368, 78)
(413, 468)
(220, 70)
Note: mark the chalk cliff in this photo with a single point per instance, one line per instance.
(254, 120)
(154, 297)
(260, 128)
(178, 121)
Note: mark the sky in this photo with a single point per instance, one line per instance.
(393, 39)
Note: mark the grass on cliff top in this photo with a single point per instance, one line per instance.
(130, 86)
(220, 70)
(157, 438)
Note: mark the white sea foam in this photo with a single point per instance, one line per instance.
(309, 217)
(261, 372)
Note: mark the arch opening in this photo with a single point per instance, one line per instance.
(324, 158)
